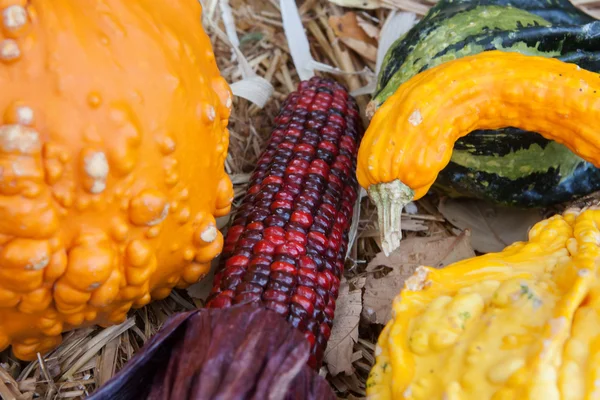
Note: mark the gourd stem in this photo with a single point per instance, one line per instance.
(390, 198)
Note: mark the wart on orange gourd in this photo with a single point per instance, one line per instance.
(112, 148)
(411, 137)
(520, 324)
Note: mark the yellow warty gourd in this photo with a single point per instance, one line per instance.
(520, 324)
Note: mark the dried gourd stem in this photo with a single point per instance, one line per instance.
(390, 198)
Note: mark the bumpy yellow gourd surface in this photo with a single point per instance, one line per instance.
(412, 135)
(520, 324)
(113, 136)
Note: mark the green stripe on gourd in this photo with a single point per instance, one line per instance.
(453, 30)
(519, 163)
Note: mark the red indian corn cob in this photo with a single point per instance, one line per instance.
(287, 244)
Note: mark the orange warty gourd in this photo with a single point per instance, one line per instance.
(112, 148)
(522, 324)
(411, 137)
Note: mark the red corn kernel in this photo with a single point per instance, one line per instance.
(309, 274)
(276, 240)
(304, 303)
(328, 146)
(327, 210)
(245, 298)
(286, 145)
(275, 295)
(272, 180)
(254, 189)
(304, 148)
(319, 165)
(324, 279)
(307, 293)
(220, 302)
(283, 266)
(283, 195)
(307, 262)
(279, 308)
(295, 236)
(274, 231)
(231, 271)
(284, 204)
(302, 218)
(264, 247)
(334, 179)
(263, 259)
(319, 302)
(248, 287)
(297, 166)
(310, 337)
(233, 234)
(237, 261)
(325, 330)
(290, 249)
(330, 309)
(293, 132)
(317, 239)
(255, 226)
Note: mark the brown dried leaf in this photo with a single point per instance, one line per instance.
(370, 29)
(413, 252)
(492, 227)
(348, 29)
(344, 333)
(368, 51)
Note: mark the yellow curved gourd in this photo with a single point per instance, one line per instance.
(113, 136)
(522, 324)
(411, 137)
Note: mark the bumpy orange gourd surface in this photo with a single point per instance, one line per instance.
(412, 135)
(520, 324)
(112, 146)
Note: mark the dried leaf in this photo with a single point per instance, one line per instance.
(370, 29)
(492, 227)
(344, 333)
(346, 28)
(433, 252)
